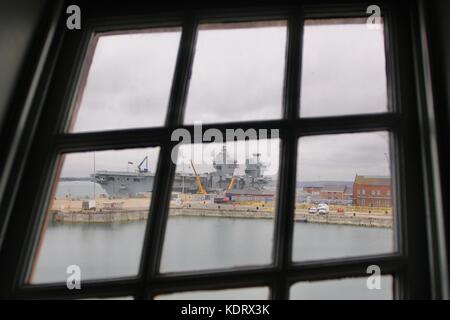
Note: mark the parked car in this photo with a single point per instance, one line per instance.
(323, 208)
(312, 210)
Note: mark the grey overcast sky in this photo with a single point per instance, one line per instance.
(238, 75)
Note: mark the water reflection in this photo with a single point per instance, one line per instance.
(105, 250)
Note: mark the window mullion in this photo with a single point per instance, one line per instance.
(286, 190)
(166, 168)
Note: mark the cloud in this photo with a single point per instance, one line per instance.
(342, 156)
(238, 75)
(81, 164)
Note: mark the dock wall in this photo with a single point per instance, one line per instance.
(136, 215)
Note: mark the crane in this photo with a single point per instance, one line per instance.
(231, 184)
(199, 181)
(145, 160)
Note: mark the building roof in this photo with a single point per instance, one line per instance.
(312, 187)
(373, 180)
(333, 188)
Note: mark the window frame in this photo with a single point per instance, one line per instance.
(406, 265)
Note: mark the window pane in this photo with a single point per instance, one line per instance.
(232, 222)
(237, 73)
(103, 237)
(129, 81)
(336, 176)
(228, 294)
(343, 68)
(343, 289)
(111, 298)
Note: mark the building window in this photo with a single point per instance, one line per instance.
(291, 70)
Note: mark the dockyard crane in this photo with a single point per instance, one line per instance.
(199, 181)
(146, 165)
(231, 184)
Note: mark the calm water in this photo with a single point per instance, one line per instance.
(112, 250)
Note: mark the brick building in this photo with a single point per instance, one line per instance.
(332, 192)
(373, 191)
(312, 189)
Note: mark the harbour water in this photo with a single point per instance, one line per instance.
(113, 250)
(108, 250)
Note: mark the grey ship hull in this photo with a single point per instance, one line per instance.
(131, 184)
(124, 184)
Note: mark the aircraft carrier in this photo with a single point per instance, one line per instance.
(222, 180)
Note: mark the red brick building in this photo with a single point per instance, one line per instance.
(332, 192)
(312, 189)
(372, 191)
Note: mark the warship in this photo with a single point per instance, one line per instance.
(222, 180)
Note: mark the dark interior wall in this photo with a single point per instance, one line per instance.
(18, 21)
(438, 16)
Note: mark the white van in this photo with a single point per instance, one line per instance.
(323, 208)
(312, 210)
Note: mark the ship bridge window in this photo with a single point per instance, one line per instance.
(314, 97)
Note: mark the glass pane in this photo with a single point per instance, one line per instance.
(344, 193)
(111, 298)
(343, 68)
(129, 81)
(261, 293)
(96, 227)
(343, 289)
(237, 73)
(222, 209)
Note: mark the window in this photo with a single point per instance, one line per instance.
(342, 289)
(345, 61)
(230, 294)
(135, 93)
(337, 157)
(340, 120)
(93, 221)
(252, 50)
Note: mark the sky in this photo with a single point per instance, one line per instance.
(238, 75)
